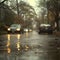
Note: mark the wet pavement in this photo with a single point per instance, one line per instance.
(29, 46)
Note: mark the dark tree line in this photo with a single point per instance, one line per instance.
(6, 14)
(53, 10)
(25, 11)
(54, 7)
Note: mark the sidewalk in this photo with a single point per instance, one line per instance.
(57, 33)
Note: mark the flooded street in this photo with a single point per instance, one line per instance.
(29, 46)
(29, 29)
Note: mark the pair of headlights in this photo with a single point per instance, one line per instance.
(16, 29)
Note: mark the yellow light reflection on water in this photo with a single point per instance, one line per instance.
(8, 36)
(18, 42)
(26, 47)
(8, 41)
(8, 50)
(18, 36)
(26, 34)
(8, 44)
(18, 45)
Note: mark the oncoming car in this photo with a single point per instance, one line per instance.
(45, 28)
(27, 30)
(14, 28)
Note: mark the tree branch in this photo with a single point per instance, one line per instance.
(2, 2)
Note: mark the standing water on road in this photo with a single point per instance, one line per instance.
(29, 46)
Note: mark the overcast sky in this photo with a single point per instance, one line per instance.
(32, 3)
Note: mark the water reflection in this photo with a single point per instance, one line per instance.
(18, 42)
(8, 43)
(18, 36)
(18, 45)
(8, 37)
(27, 34)
(26, 47)
(9, 50)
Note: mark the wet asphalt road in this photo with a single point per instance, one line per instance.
(29, 46)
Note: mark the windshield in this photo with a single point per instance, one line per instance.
(45, 25)
(15, 25)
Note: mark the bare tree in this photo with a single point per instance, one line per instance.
(3, 1)
(54, 7)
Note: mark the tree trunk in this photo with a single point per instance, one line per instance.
(57, 20)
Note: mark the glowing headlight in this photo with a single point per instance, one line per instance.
(8, 29)
(26, 30)
(18, 29)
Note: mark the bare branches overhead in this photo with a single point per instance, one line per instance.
(2, 2)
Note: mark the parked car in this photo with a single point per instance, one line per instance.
(45, 28)
(15, 28)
